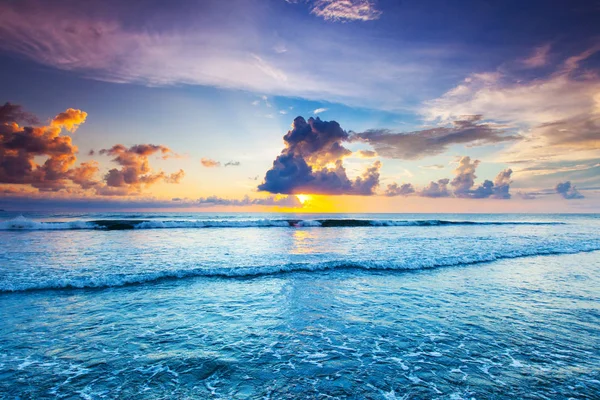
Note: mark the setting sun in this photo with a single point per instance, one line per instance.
(303, 198)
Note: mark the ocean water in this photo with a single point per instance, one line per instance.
(280, 306)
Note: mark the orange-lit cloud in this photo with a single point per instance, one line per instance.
(69, 119)
(210, 163)
(22, 146)
(366, 154)
(135, 172)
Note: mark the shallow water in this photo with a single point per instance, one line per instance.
(376, 312)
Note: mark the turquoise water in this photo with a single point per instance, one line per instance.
(280, 306)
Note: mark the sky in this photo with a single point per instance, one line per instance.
(300, 105)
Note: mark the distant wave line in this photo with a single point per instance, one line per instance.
(22, 223)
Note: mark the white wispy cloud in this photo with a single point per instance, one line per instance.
(345, 10)
(102, 46)
(558, 116)
(320, 110)
(539, 58)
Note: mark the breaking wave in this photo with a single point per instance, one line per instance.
(118, 280)
(22, 223)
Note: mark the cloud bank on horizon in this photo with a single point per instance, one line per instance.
(310, 163)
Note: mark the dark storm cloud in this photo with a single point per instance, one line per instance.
(318, 142)
(304, 165)
(429, 142)
(568, 191)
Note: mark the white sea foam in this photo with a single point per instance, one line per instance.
(22, 223)
(116, 280)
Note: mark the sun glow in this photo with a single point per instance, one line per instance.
(303, 198)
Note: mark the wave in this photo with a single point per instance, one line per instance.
(120, 280)
(22, 223)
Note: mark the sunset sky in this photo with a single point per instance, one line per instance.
(300, 105)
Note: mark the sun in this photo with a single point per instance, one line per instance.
(303, 198)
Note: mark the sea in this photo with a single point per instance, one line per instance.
(167, 305)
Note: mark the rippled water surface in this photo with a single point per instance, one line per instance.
(400, 306)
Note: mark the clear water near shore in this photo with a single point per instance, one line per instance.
(503, 306)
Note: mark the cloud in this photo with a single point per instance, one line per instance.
(214, 43)
(415, 145)
(311, 163)
(14, 113)
(210, 163)
(275, 201)
(175, 177)
(70, 119)
(399, 190)
(463, 184)
(465, 177)
(568, 191)
(436, 189)
(434, 166)
(22, 146)
(464, 181)
(584, 172)
(320, 110)
(366, 154)
(345, 10)
(557, 115)
(502, 184)
(539, 58)
(20, 199)
(85, 175)
(135, 172)
(528, 195)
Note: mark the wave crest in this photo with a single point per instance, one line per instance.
(118, 280)
(22, 223)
